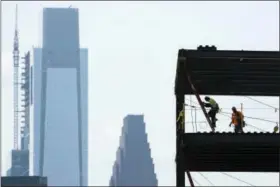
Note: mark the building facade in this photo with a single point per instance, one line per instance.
(60, 100)
(134, 165)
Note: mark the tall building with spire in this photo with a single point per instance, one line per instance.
(20, 152)
(134, 165)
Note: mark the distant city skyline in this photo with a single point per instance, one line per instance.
(132, 61)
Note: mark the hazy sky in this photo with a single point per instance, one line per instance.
(132, 57)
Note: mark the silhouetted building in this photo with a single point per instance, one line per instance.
(134, 165)
(60, 96)
(24, 181)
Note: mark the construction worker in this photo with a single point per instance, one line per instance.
(237, 119)
(214, 109)
(275, 129)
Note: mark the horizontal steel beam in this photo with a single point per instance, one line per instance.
(213, 66)
(238, 79)
(254, 139)
(271, 74)
(199, 64)
(228, 54)
(222, 90)
(238, 82)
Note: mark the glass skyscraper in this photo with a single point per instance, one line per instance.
(60, 131)
(134, 165)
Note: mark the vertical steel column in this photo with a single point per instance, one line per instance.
(180, 130)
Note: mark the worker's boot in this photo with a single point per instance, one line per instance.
(214, 124)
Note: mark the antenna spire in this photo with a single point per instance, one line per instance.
(16, 81)
(16, 19)
(16, 42)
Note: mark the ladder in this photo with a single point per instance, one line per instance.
(199, 99)
(203, 109)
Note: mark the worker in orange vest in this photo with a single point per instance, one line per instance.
(237, 119)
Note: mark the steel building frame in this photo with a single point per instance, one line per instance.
(216, 72)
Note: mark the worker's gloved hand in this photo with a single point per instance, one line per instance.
(207, 105)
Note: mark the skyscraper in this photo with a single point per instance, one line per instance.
(134, 165)
(60, 101)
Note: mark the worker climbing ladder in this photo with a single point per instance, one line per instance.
(182, 116)
(199, 99)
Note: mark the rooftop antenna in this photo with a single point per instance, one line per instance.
(16, 81)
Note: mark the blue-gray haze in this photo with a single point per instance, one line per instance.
(132, 57)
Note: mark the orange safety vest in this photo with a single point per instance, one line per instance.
(237, 118)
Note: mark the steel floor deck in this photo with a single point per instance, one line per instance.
(229, 152)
